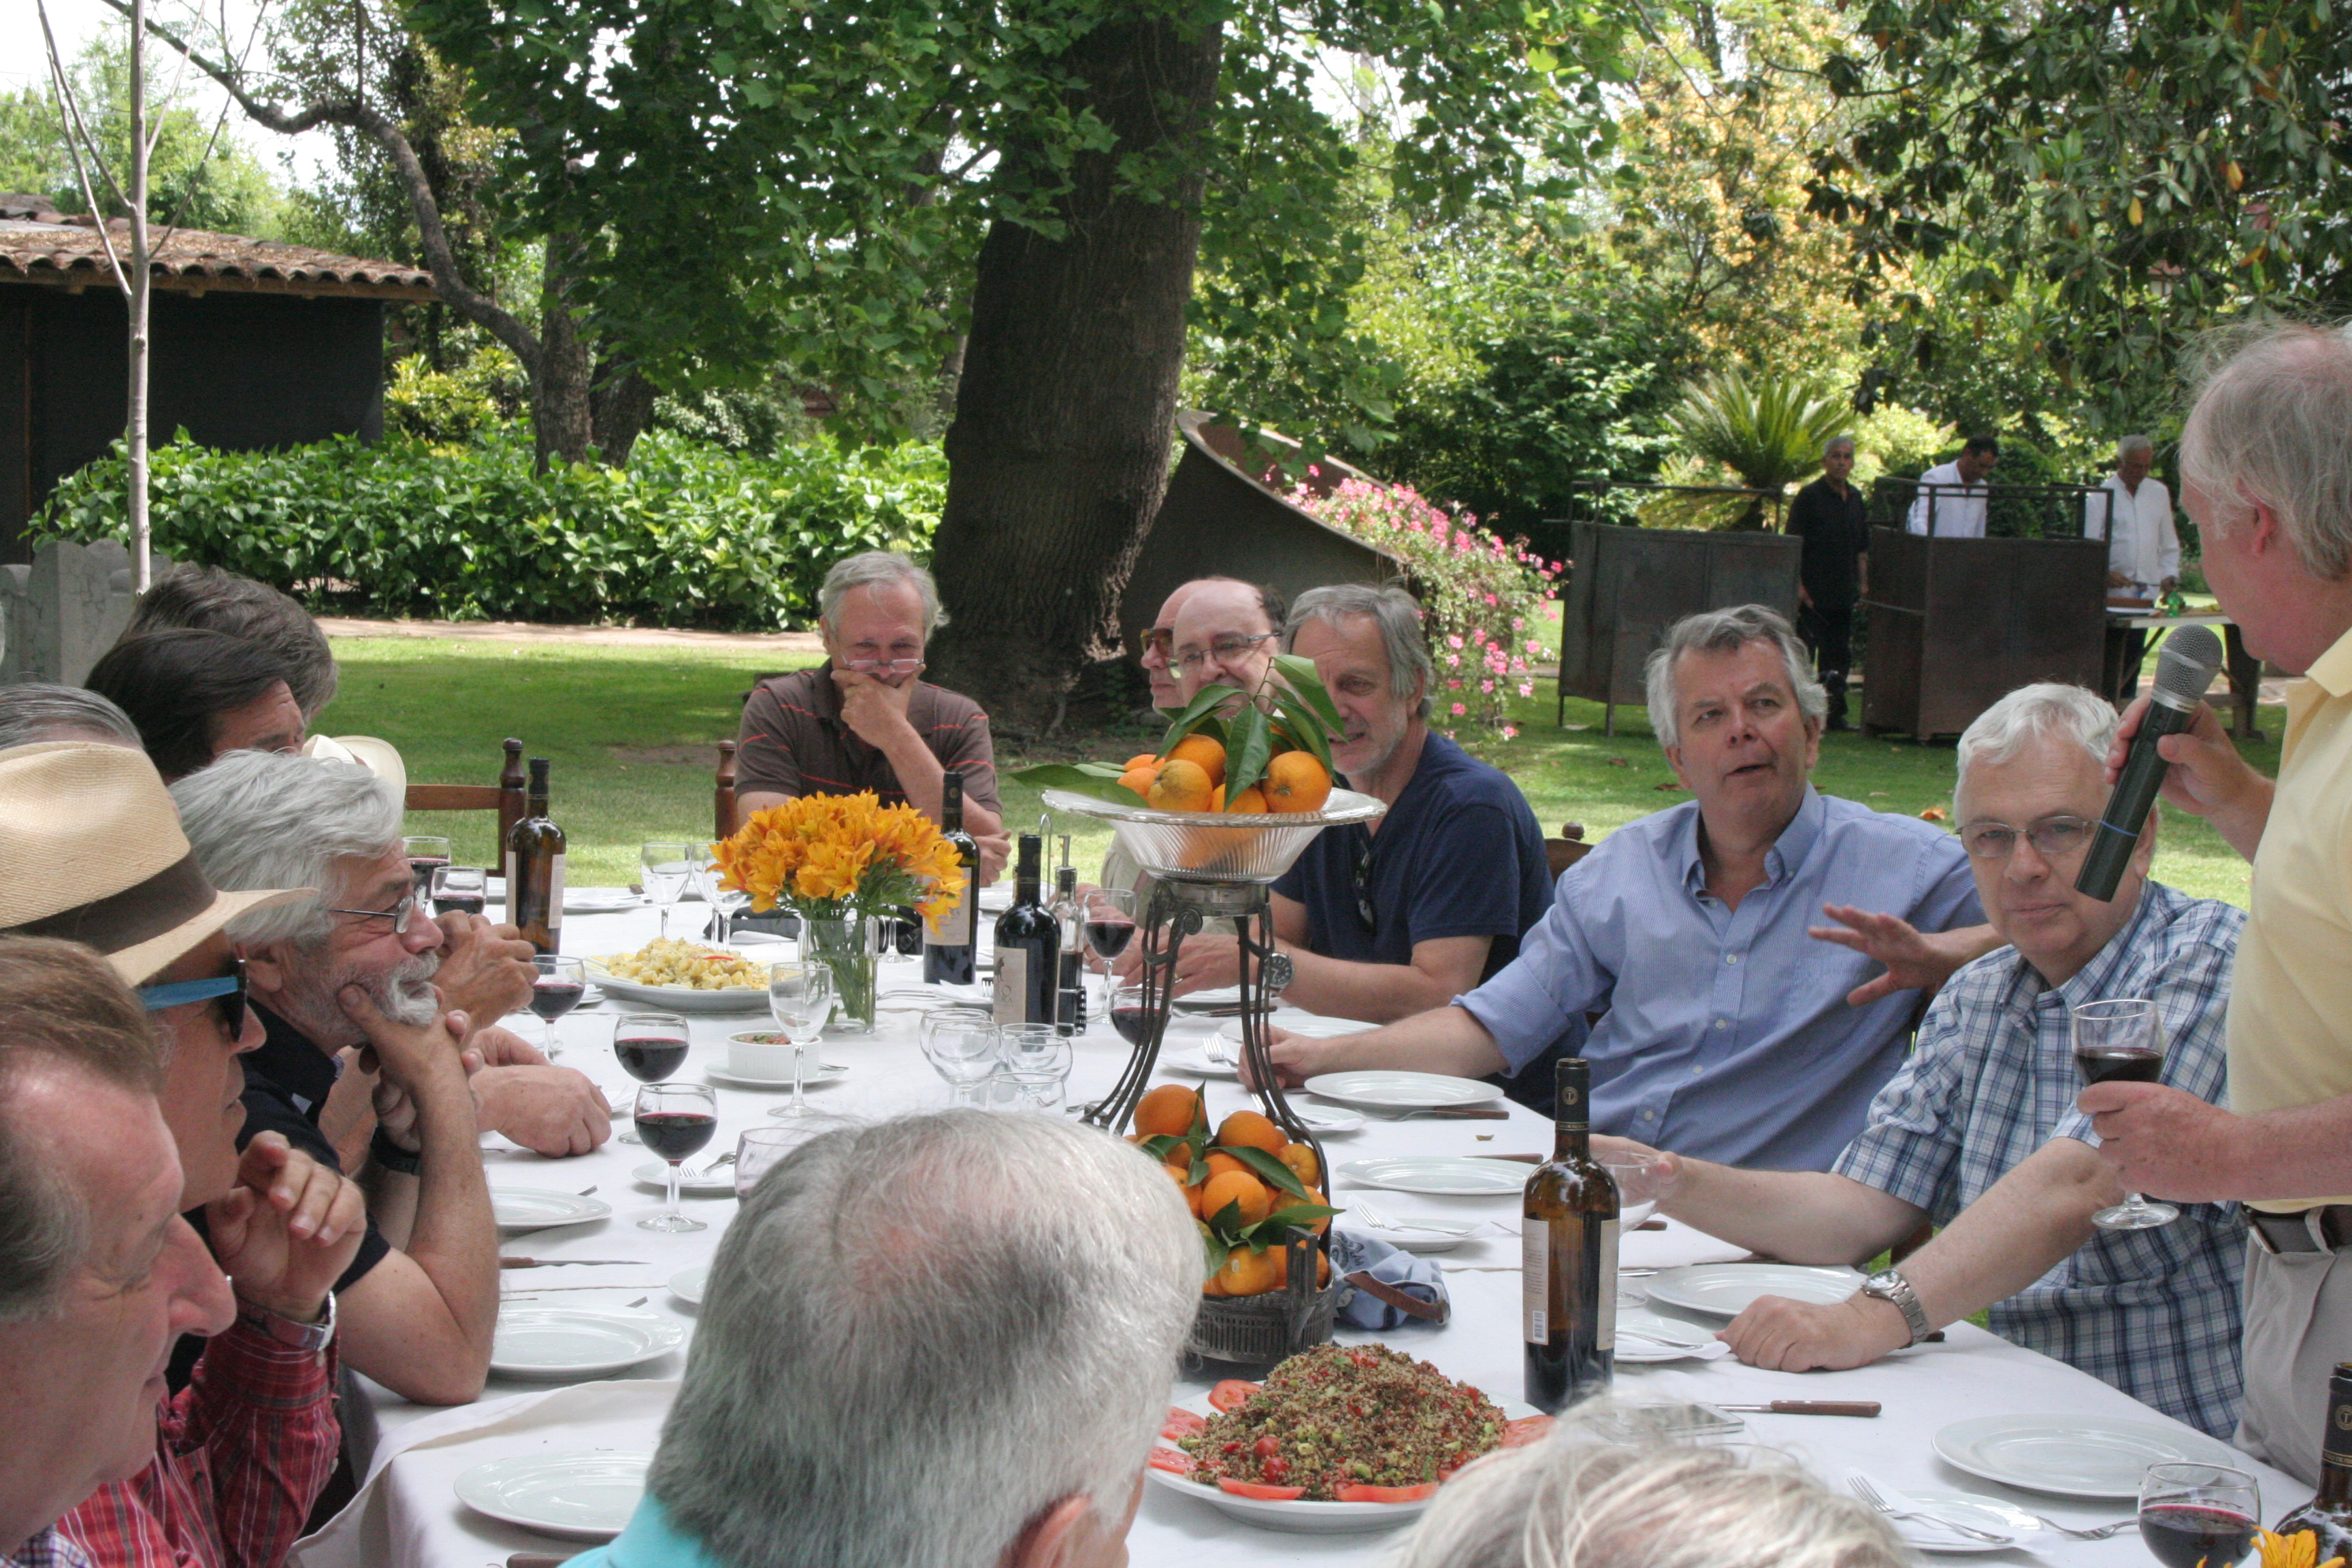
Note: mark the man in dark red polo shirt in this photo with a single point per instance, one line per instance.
(862, 720)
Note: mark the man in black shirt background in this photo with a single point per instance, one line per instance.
(1829, 516)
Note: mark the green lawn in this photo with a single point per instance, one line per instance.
(632, 734)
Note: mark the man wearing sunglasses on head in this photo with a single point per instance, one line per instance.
(865, 719)
(92, 851)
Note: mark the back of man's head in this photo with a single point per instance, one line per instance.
(177, 686)
(2272, 424)
(212, 600)
(921, 1335)
(273, 819)
(36, 710)
(61, 1008)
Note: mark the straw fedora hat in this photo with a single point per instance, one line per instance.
(378, 757)
(90, 849)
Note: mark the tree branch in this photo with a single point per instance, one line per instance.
(475, 306)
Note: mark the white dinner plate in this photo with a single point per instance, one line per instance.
(2073, 1456)
(1229, 1033)
(680, 998)
(1442, 1235)
(1967, 1508)
(518, 1209)
(1725, 1289)
(1385, 1089)
(574, 1497)
(654, 1174)
(1446, 1175)
(1300, 1516)
(1195, 1060)
(1324, 1117)
(812, 1075)
(600, 900)
(564, 1344)
(998, 899)
(1689, 1340)
(687, 1284)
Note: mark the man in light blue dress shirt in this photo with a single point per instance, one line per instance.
(1733, 1029)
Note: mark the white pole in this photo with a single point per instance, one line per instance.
(140, 279)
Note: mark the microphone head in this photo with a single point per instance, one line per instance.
(2186, 667)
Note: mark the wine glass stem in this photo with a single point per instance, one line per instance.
(798, 1050)
(675, 1211)
(551, 1047)
(665, 920)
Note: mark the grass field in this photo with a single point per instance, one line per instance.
(632, 735)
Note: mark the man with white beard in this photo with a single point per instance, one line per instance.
(353, 966)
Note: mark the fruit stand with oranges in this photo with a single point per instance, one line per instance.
(1246, 1184)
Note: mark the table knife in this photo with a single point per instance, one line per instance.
(1812, 1407)
(561, 1262)
(1444, 1113)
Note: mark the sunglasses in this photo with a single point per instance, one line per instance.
(227, 993)
(1361, 874)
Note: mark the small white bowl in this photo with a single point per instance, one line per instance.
(759, 1053)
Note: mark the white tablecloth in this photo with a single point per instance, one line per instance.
(407, 1515)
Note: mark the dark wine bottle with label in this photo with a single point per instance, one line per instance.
(1070, 997)
(2328, 1514)
(1568, 1236)
(1028, 946)
(535, 869)
(948, 954)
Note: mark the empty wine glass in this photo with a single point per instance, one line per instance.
(2199, 1515)
(427, 854)
(1013, 1090)
(962, 1047)
(555, 991)
(1108, 917)
(465, 889)
(1036, 1066)
(725, 902)
(674, 1121)
(762, 1149)
(667, 869)
(799, 998)
(2121, 1040)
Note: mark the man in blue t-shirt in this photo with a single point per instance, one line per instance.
(1391, 918)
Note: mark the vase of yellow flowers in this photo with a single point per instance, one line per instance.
(838, 861)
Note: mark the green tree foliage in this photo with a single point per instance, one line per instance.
(1768, 430)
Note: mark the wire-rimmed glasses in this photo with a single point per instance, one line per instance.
(799, 998)
(674, 1121)
(666, 870)
(2121, 1040)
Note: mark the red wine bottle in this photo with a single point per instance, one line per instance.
(1028, 947)
(1070, 992)
(535, 869)
(1568, 1238)
(949, 954)
(2328, 1514)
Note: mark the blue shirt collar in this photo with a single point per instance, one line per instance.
(1788, 852)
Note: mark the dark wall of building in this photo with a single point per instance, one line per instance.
(241, 372)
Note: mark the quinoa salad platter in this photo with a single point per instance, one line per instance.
(1340, 1438)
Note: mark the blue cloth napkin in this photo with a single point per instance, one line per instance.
(1417, 1277)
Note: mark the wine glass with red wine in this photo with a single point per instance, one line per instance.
(426, 855)
(2198, 1516)
(2121, 1040)
(1108, 917)
(1125, 1009)
(556, 989)
(650, 1046)
(674, 1121)
(463, 889)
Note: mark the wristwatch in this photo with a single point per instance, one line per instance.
(391, 1157)
(313, 1337)
(1889, 1285)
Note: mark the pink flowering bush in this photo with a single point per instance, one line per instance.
(1480, 594)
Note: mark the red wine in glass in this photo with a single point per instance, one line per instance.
(1130, 1022)
(460, 903)
(424, 865)
(2185, 1535)
(675, 1134)
(649, 1059)
(1109, 938)
(552, 997)
(2119, 1064)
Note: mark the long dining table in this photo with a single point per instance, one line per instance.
(408, 1516)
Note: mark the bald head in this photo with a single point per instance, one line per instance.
(1224, 635)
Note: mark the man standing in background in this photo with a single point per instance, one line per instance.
(1829, 516)
(2133, 512)
(1952, 496)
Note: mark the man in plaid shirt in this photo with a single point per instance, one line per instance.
(1978, 1132)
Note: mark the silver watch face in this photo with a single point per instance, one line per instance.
(1885, 1279)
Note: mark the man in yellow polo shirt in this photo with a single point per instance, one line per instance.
(2266, 480)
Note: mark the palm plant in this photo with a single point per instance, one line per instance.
(1767, 429)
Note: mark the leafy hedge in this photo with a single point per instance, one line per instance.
(685, 536)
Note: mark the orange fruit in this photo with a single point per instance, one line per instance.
(1223, 1165)
(1295, 780)
(1255, 1197)
(1217, 798)
(1180, 785)
(1214, 1285)
(1182, 1176)
(1248, 1273)
(1139, 780)
(1141, 760)
(1205, 750)
(1322, 1265)
(1321, 1225)
(1249, 1129)
(1250, 802)
(1167, 1111)
(1301, 1161)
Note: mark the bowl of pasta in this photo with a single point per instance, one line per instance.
(685, 976)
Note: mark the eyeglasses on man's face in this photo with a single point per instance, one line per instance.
(227, 993)
(2051, 837)
(1223, 650)
(882, 666)
(395, 919)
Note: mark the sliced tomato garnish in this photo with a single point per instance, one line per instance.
(1231, 1394)
(1388, 1494)
(1263, 1493)
(1526, 1429)
(1175, 1461)
(1183, 1424)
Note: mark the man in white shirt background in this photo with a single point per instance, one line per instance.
(2143, 546)
(1952, 496)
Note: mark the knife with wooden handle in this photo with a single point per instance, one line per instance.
(1810, 1408)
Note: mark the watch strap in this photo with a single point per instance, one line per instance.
(1889, 1285)
(293, 1335)
(391, 1157)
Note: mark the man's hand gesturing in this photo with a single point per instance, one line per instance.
(287, 1230)
(485, 970)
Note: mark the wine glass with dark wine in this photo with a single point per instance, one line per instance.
(650, 1046)
(1127, 1015)
(427, 854)
(462, 889)
(674, 1121)
(799, 998)
(2198, 1516)
(555, 991)
(2121, 1040)
(667, 867)
(1108, 916)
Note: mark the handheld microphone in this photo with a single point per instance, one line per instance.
(2183, 670)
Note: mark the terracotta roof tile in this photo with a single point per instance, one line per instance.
(41, 246)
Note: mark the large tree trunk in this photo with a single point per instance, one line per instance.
(560, 418)
(620, 407)
(1058, 454)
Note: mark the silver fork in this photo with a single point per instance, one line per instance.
(2096, 1532)
(1869, 1494)
(1379, 1220)
(725, 1159)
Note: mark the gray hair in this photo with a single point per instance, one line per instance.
(1587, 1504)
(2062, 712)
(37, 712)
(1728, 631)
(877, 568)
(1836, 441)
(271, 819)
(2272, 423)
(210, 598)
(919, 1334)
(1394, 611)
(2130, 444)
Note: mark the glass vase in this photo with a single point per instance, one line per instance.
(846, 946)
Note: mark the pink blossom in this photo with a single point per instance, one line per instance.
(1454, 640)
(1488, 686)
(1510, 731)
(1526, 689)
(1517, 624)
(1460, 709)
(1454, 686)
